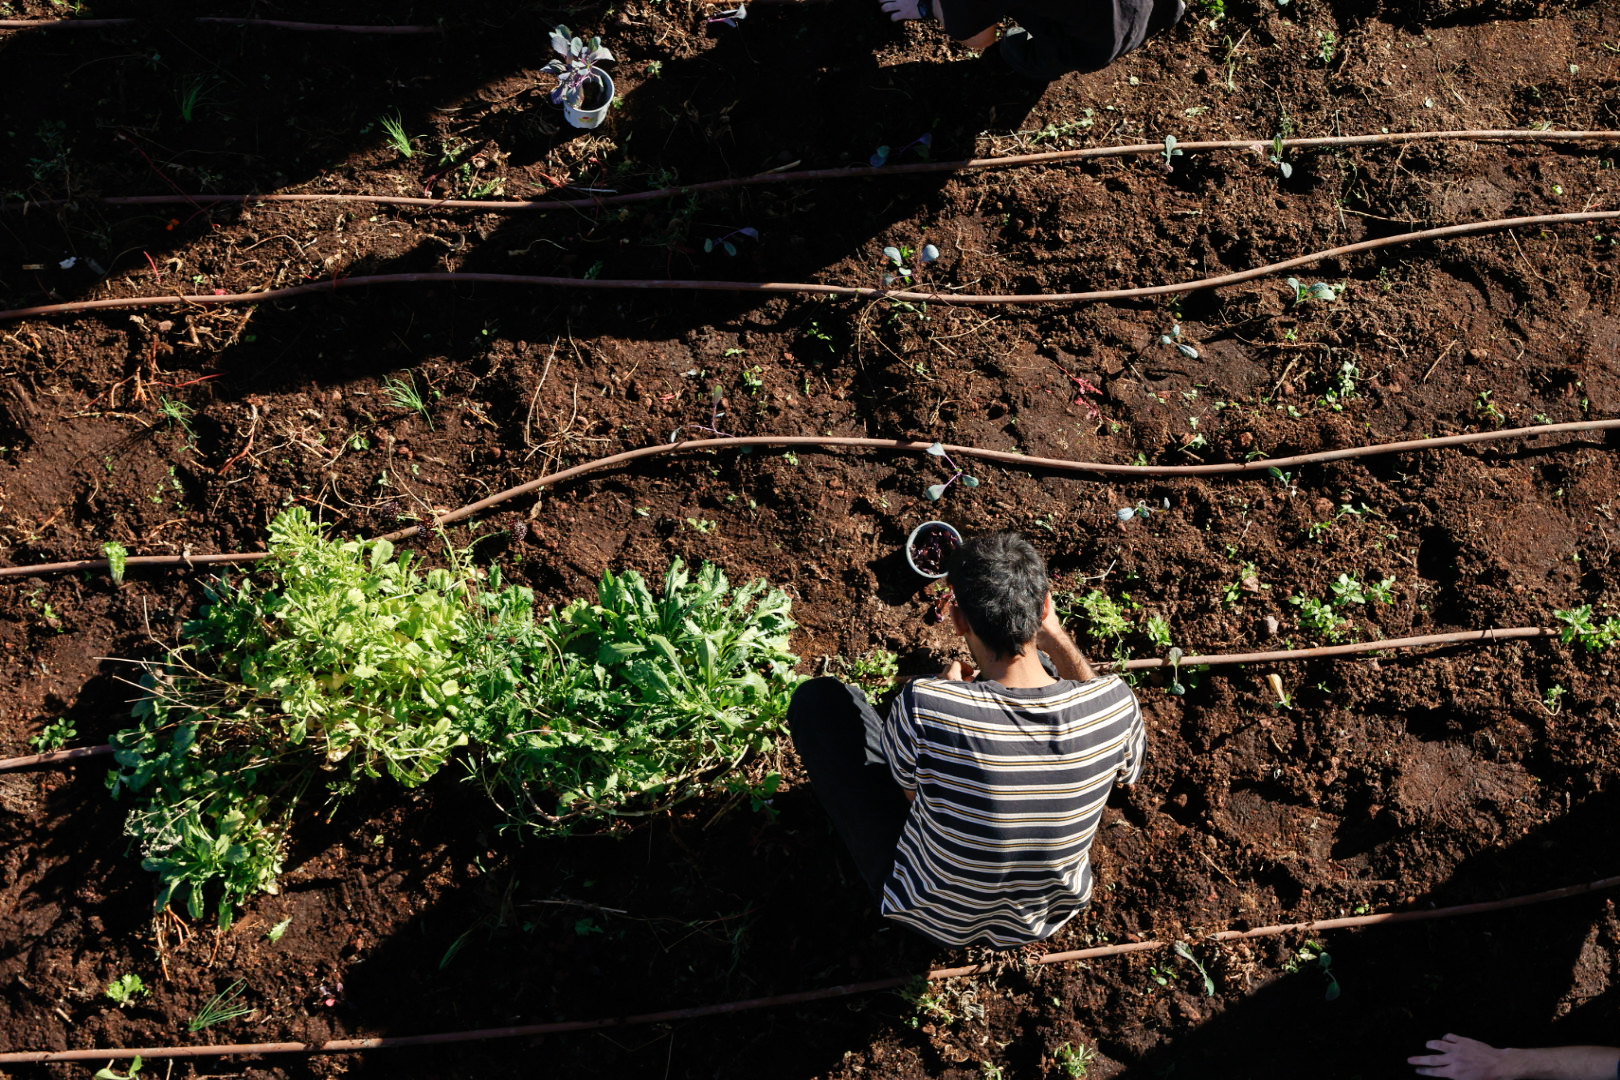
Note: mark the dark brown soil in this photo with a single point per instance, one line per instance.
(1392, 783)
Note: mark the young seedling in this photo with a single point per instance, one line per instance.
(109, 1073)
(116, 555)
(1579, 626)
(404, 395)
(394, 127)
(729, 18)
(717, 409)
(1549, 701)
(275, 933)
(1140, 510)
(1285, 700)
(1174, 338)
(125, 989)
(1184, 951)
(935, 492)
(221, 1007)
(1313, 955)
(192, 93)
(1283, 167)
(724, 242)
(922, 144)
(575, 67)
(1169, 153)
(1158, 631)
(55, 736)
(1317, 290)
(1074, 1061)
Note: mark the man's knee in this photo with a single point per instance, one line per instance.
(818, 699)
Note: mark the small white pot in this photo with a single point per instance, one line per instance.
(917, 533)
(589, 118)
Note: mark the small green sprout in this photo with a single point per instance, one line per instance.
(1283, 167)
(1169, 153)
(1579, 626)
(55, 736)
(116, 555)
(1075, 1061)
(276, 932)
(125, 989)
(1184, 951)
(935, 492)
(404, 395)
(394, 127)
(109, 1074)
(223, 1006)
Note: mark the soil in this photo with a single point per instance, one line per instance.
(1391, 783)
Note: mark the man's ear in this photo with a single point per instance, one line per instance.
(959, 621)
(1046, 608)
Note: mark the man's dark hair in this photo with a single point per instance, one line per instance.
(1000, 583)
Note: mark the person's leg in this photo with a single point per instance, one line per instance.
(1046, 49)
(838, 737)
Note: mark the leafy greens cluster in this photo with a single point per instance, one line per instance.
(346, 663)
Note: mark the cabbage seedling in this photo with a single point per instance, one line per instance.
(1169, 153)
(576, 68)
(1174, 338)
(936, 492)
(729, 18)
(724, 242)
(1283, 167)
(922, 144)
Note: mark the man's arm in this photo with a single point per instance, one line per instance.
(1469, 1059)
(1065, 654)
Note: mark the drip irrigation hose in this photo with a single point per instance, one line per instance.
(863, 291)
(334, 1046)
(1051, 157)
(278, 24)
(812, 441)
(1460, 637)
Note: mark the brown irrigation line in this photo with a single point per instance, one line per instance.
(863, 291)
(278, 24)
(697, 1012)
(814, 441)
(1460, 637)
(1013, 161)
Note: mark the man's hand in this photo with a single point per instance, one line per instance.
(1065, 654)
(982, 40)
(957, 673)
(1460, 1059)
(1469, 1059)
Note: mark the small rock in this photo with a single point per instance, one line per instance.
(1272, 625)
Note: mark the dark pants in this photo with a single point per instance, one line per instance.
(1045, 48)
(839, 738)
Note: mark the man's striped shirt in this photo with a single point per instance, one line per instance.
(1010, 785)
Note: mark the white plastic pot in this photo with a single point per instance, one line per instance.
(929, 526)
(589, 118)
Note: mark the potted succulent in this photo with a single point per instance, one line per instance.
(584, 90)
(929, 548)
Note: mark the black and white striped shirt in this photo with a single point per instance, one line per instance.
(1010, 785)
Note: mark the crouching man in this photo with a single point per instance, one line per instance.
(971, 809)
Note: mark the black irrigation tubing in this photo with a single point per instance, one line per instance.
(1051, 157)
(813, 441)
(277, 24)
(697, 1012)
(1460, 637)
(867, 292)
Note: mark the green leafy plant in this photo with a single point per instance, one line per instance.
(1104, 618)
(1075, 1061)
(56, 735)
(1319, 618)
(109, 1073)
(179, 415)
(403, 394)
(393, 126)
(223, 1006)
(1318, 290)
(1183, 950)
(874, 672)
(276, 932)
(125, 989)
(117, 556)
(192, 93)
(1170, 153)
(1283, 167)
(645, 701)
(1312, 955)
(1580, 625)
(1158, 631)
(1552, 699)
(347, 664)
